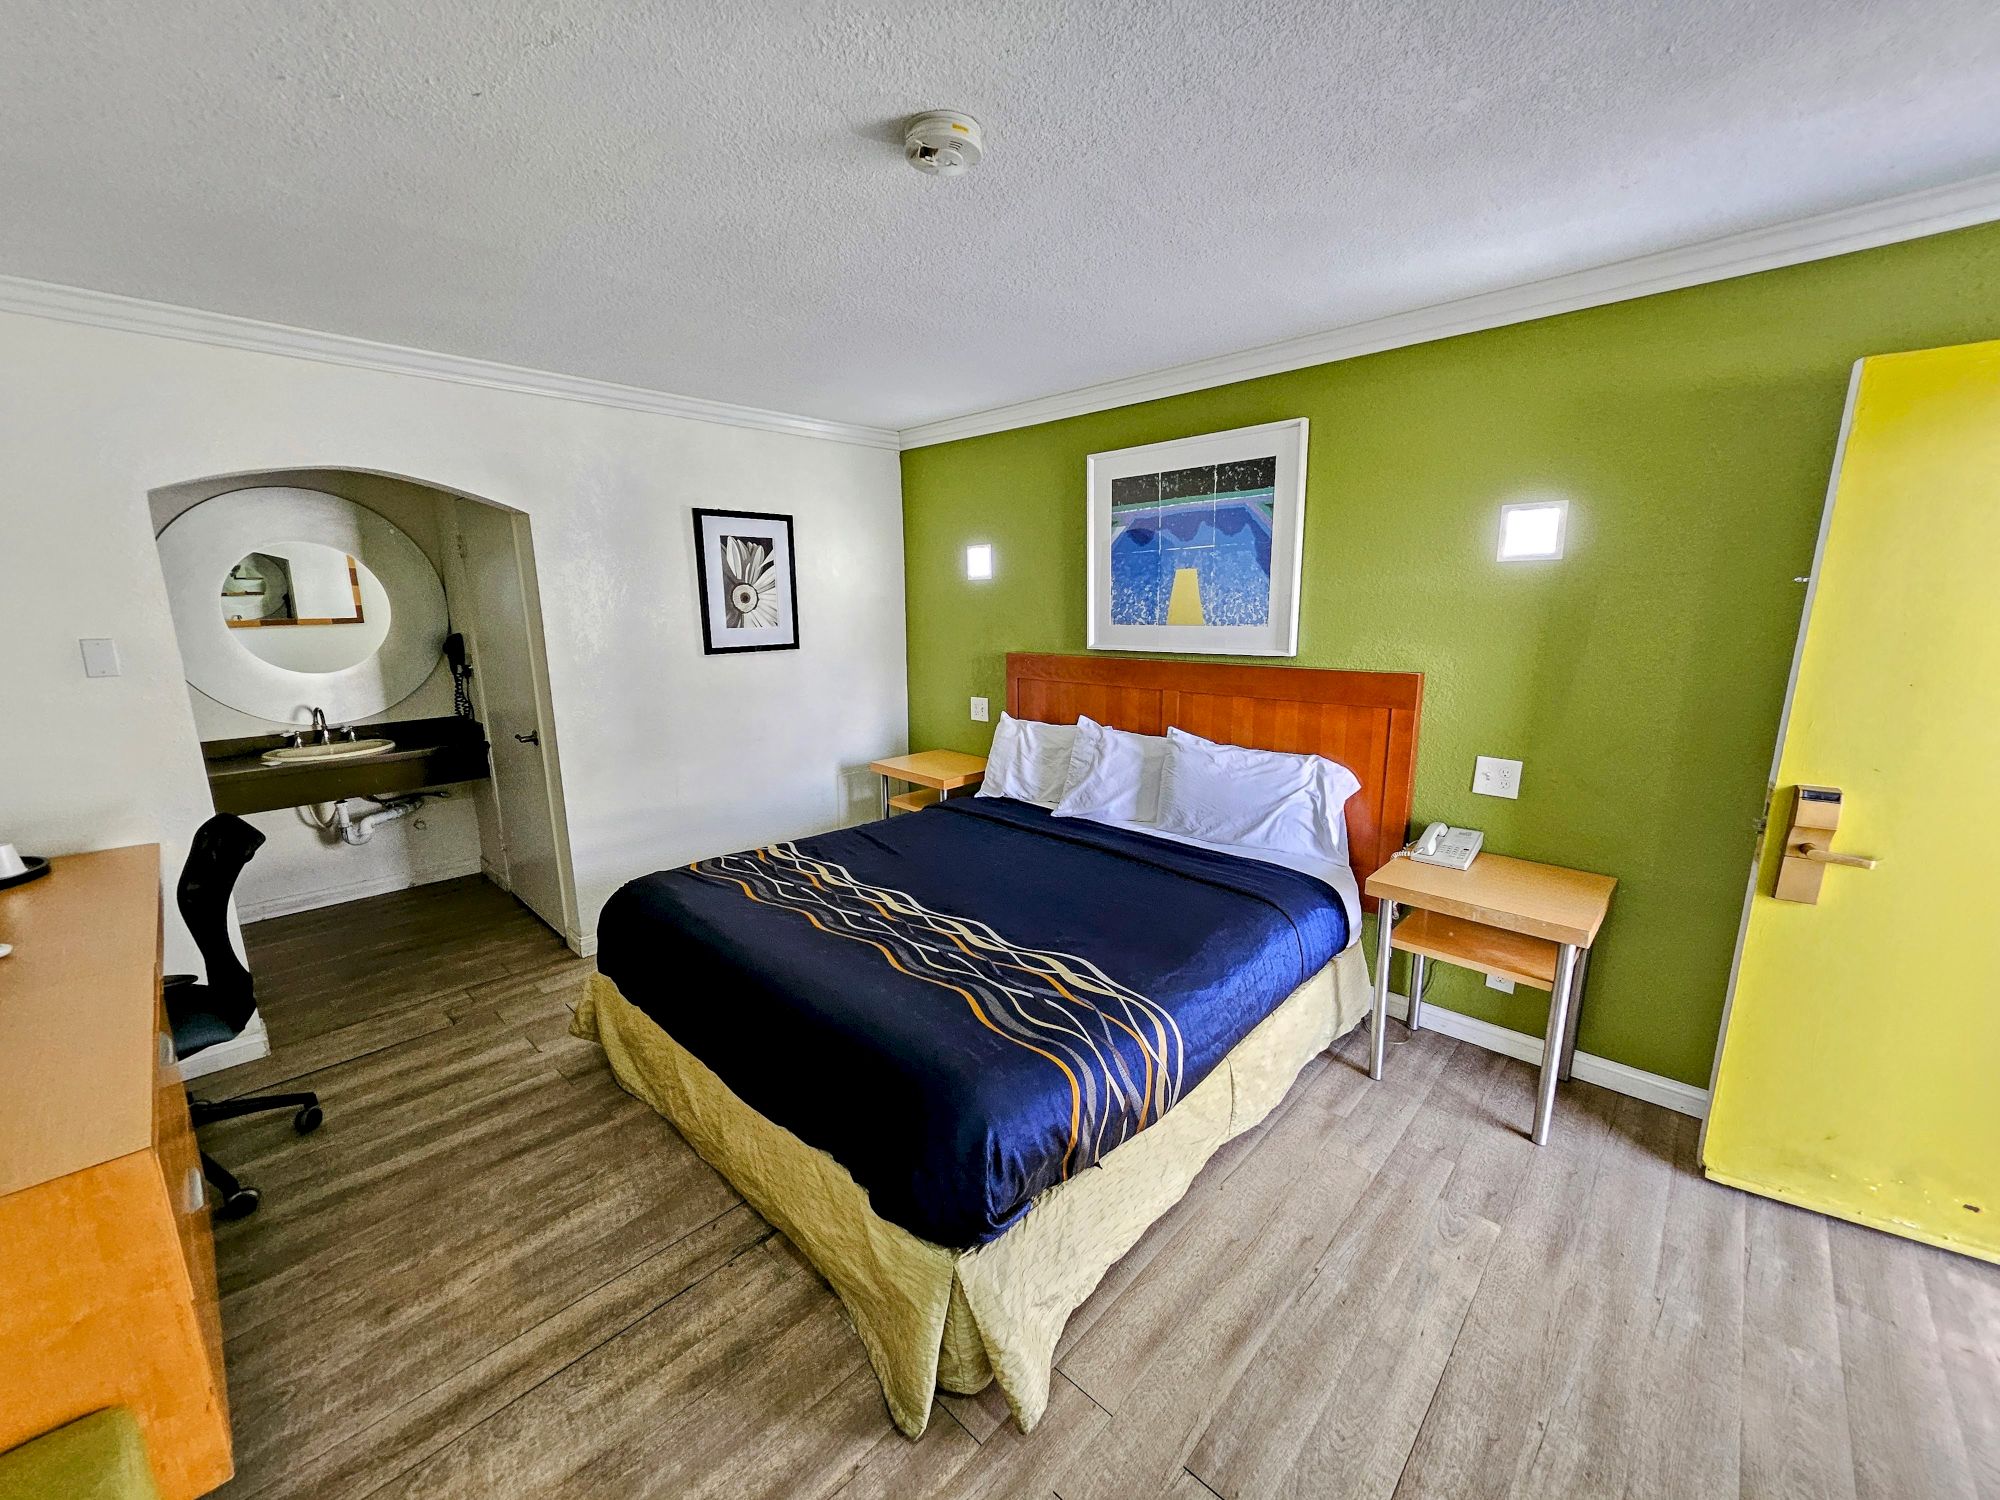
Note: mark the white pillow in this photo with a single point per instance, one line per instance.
(1114, 775)
(1028, 760)
(1260, 798)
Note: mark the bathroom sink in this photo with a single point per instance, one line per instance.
(297, 755)
(253, 774)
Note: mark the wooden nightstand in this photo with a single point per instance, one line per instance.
(1531, 923)
(932, 776)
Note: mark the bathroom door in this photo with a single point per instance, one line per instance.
(1861, 1048)
(498, 552)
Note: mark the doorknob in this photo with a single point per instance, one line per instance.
(1809, 845)
(532, 737)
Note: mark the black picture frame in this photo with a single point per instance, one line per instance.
(790, 584)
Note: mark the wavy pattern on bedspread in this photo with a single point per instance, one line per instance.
(1039, 1000)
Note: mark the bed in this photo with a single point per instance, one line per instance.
(964, 1058)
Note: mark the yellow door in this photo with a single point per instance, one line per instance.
(1859, 1072)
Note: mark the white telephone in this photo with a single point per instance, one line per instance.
(1454, 848)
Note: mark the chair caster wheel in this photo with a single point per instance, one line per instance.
(307, 1120)
(239, 1204)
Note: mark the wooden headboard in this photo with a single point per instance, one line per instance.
(1365, 720)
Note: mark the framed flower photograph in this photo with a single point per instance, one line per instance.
(749, 591)
(1194, 545)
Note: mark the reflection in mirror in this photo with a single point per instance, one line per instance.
(261, 589)
(334, 611)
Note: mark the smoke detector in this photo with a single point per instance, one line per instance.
(942, 142)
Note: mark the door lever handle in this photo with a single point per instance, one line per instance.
(532, 737)
(1809, 845)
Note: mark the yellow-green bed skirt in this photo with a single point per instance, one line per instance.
(933, 1318)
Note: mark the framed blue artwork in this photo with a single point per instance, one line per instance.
(1195, 544)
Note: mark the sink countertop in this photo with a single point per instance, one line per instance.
(428, 753)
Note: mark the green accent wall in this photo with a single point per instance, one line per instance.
(1640, 678)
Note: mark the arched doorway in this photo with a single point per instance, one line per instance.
(510, 824)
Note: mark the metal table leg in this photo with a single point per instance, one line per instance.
(1560, 1004)
(1575, 1010)
(1378, 1014)
(1419, 967)
(885, 796)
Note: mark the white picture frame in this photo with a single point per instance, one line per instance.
(1199, 592)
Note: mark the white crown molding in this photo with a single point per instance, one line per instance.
(68, 304)
(1884, 222)
(1620, 1078)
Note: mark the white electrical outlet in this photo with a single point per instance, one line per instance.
(979, 710)
(1495, 982)
(100, 656)
(1493, 777)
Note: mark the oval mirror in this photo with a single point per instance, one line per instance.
(286, 600)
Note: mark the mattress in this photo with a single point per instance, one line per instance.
(971, 1005)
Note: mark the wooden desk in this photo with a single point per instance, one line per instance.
(934, 774)
(107, 1286)
(1530, 923)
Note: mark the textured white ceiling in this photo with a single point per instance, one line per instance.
(710, 198)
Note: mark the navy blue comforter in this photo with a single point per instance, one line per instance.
(966, 1005)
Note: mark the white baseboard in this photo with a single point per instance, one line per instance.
(582, 944)
(1668, 1093)
(354, 890)
(1654, 1088)
(249, 1044)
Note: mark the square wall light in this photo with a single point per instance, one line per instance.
(979, 560)
(1533, 531)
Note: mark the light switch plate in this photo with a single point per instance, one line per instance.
(100, 656)
(979, 711)
(1495, 982)
(1493, 777)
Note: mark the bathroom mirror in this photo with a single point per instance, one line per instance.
(286, 600)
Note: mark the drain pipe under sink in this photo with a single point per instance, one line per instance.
(358, 830)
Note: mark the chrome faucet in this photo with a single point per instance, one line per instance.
(320, 733)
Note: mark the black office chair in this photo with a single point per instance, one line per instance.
(204, 1014)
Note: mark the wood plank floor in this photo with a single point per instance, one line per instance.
(494, 1274)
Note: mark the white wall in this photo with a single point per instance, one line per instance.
(667, 754)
